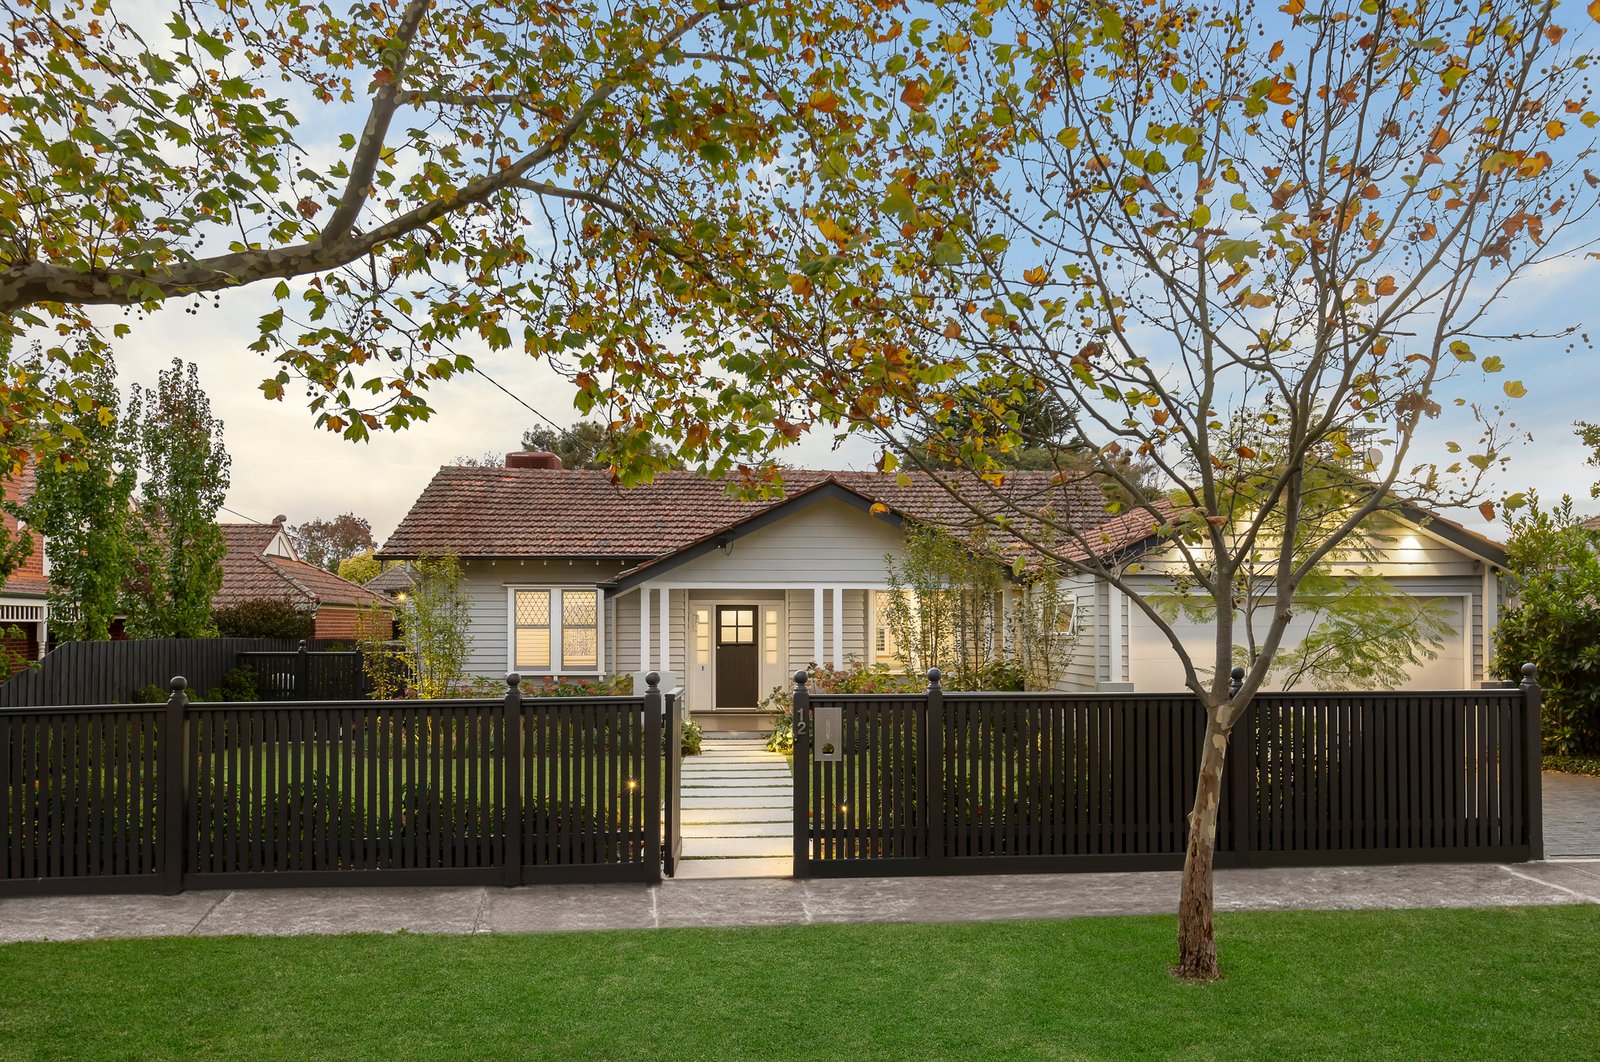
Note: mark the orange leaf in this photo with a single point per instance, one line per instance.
(1487, 509)
(1386, 285)
(1245, 452)
(878, 509)
(1276, 52)
(383, 75)
(799, 284)
(952, 330)
(1441, 137)
(1295, 7)
(1594, 10)
(1554, 128)
(915, 95)
(1370, 192)
(1036, 275)
(1280, 92)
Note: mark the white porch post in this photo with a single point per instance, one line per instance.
(1491, 615)
(816, 624)
(665, 632)
(644, 628)
(838, 626)
(1114, 606)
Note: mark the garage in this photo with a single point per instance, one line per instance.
(1155, 668)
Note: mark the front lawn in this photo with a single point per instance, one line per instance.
(1400, 984)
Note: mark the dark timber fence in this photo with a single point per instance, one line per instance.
(303, 675)
(157, 798)
(947, 782)
(88, 673)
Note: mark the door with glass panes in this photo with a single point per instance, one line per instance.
(738, 660)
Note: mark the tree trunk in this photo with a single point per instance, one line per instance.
(1197, 942)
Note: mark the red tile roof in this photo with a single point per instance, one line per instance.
(501, 512)
(1593, 523)
(250, 575)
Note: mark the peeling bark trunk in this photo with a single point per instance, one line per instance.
(1197, 942)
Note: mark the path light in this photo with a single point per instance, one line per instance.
(632, 784)
(845, 808)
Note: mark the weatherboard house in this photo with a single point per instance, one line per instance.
(570, 575)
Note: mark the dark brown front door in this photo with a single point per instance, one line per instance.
(738, 664)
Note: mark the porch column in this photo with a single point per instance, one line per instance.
(816, 624)
(665, 632)
(644, 628)
(838, 626)
(1115, 608)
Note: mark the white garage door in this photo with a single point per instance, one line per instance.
(1154, 666)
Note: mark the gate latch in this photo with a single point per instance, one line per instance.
(827, 734)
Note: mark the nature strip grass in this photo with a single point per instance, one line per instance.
(1398, 984)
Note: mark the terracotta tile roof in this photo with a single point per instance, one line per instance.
(499, 512)
(27, 585)
(20, 487)
(1593, 523)
(249, 575)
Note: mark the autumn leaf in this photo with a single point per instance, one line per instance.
(1281, 92)
(1036, 275)
(915, 95)
(879, 509)
(1514, 389)
(1386, 286)
(1554, 128)
(1441, 138)
(799, 284)
(1245, 452)
(1487, 510)
(1295, 7)
(952, 330)
(1594, 10)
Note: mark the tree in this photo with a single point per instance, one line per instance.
(587, 444)
(1555, 571)
(328, 543)
(1167, 219)
(81, 505)
(546, 177)
(434, 621)
(362, 568)
(16, 546)
(176, 543)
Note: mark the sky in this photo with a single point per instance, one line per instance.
(283, 464)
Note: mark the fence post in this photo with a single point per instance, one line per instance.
(511, 760)
(652, 708)
(1533, 704)
(304, 673)
(174, 787)
(933, 781)
(801, 708)
(1241, 802)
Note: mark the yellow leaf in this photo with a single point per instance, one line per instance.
(1514, 389)
(1554, 129)
(1295, 7)
(1036, 275)
(878, 508)
(798, 284)
(832, 231)
(1594, 10)
(1257, 300)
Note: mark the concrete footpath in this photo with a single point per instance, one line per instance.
(782, 901)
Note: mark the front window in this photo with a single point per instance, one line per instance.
(555, 625)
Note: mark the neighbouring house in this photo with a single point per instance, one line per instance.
(261, 565)
(569, 575)
(25, 596)
(394, 582)
(1592, 524)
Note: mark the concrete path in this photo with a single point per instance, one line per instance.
(738, 811)
(782, 901)
(1571, 815)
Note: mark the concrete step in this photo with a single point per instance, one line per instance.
(692, 869)
(776, 828)
(743, 815)
(757, 792)
(742, 847)
(699, 802)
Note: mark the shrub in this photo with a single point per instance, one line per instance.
(263, 619)
(691, 738)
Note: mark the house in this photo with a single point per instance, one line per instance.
(394, 582)
(569, 575)
(261, 565)
(24, 598)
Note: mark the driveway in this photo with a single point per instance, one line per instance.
(1571, 815)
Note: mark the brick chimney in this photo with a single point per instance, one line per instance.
(532, 459)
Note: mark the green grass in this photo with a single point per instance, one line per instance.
(1401, 984)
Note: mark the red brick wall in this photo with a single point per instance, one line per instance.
(27, 647)
(336, 621)
(34, 565)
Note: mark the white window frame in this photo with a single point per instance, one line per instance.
(556, 612)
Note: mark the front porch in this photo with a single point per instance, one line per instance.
(731, 646)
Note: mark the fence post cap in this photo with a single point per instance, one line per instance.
(934, 675)
(178, 684)
(653, 679)
(1530, 674)
(801, 678)
(302, 645)
(1237, 674)
(513, 680)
